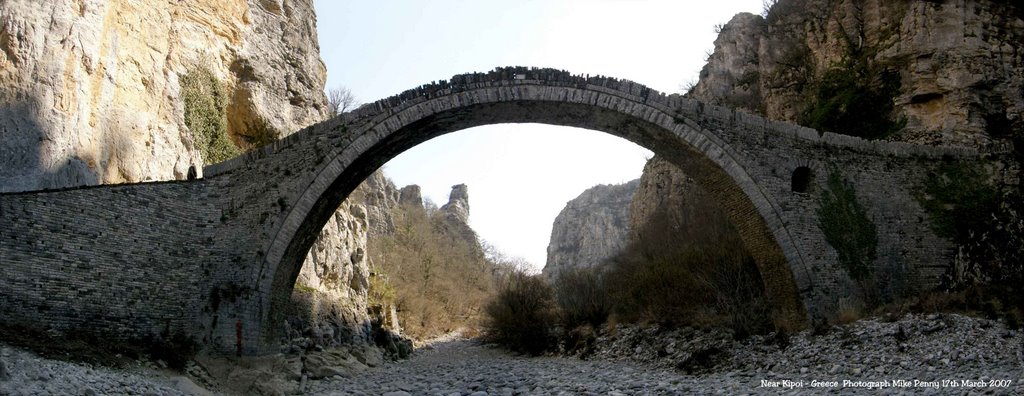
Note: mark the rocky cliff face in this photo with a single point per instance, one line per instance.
(411, 195)
(948, 73)
(330, 299)
(91, 92)
(457, 208)
(455, 219)
(666, 200)
(379, 196)
(591, 228)
(942, 73)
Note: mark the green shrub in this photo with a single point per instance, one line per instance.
(205, 101)
(958, 199)
(853, 100)
(984, 222)
(987, 225)
(522, 316)
(847, 227)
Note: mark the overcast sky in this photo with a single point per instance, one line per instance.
(519, 175)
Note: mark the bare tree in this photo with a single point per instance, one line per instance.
(340, 100)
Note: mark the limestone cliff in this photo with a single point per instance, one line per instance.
(379, 196)
(411, 195)
(591, 228)
(330, 299)
(942, 73)
(90, 91)
(666, 200)
(457, 208)
(948, 73)
(95, 92)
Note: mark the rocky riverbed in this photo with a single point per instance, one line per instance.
(917, 354)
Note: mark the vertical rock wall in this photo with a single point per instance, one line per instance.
(591, 228)
(90, 90)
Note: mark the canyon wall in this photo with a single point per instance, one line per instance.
(591, 228)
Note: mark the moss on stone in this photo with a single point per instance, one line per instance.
(301, 288)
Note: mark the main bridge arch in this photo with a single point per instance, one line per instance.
(337, 155)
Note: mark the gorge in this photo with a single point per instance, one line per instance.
(119, 222)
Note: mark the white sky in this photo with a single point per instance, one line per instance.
(519, 175)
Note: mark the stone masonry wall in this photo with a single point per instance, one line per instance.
(127, 262)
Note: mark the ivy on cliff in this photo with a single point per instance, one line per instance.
(205, 101)
(847, 227)
(852, 99)
(985, 223)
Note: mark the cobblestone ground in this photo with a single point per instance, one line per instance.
(918, 354)
(468, 368)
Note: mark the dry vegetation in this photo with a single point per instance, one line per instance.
(438, 281)
(205, 102)
(655, 280)
(523, 315)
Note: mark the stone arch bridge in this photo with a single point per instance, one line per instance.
(215, 259)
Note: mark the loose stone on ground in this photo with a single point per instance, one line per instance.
(631, 361)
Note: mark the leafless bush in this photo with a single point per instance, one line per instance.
(661, 279)
(582, 298)
(340, 100)
(523, 315)
(439, 282)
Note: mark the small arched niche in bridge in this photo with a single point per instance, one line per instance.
(801, 180)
